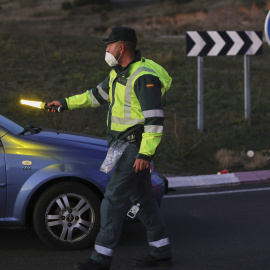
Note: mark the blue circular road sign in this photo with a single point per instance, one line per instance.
(267, 28)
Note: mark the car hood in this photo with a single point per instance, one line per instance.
(50, 135)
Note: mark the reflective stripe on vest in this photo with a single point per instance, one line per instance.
(128, 90)
(103, 94)
(153, 113)
(127, 120)
(160, 243)
(95, 103)
(104, 250)
(153, 129)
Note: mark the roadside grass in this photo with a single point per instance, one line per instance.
(48, 68)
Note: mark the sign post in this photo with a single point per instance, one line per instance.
(247, 87)
(200, 93)
(228, 43)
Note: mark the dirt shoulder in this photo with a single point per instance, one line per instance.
(148, 17)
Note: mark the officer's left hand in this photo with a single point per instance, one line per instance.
(140, 165)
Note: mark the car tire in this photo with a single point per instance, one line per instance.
(67, 216)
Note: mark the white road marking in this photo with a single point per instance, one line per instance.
(215, 193)
(203, 180)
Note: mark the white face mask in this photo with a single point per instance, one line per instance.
(110, 59)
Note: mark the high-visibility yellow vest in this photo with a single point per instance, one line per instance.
(126, 111)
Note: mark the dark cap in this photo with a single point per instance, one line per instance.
(121, 33)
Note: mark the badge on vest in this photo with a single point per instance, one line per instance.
(122, 80)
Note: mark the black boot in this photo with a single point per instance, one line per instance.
(151, 260)
(91, 265)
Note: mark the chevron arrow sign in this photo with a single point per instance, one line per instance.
(214, 43)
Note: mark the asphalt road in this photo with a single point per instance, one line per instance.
(209, 229)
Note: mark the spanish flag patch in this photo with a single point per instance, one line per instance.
(150, 85)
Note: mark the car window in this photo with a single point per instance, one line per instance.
(10, 125)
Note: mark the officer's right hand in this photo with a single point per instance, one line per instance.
(140, 165)
(54, 103)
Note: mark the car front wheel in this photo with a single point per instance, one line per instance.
(67, 216)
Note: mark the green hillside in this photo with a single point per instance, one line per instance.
(45, 65)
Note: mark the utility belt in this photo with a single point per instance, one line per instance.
(135, 136)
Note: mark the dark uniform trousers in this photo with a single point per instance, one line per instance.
(125, 184)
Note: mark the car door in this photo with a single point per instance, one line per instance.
(3, 182)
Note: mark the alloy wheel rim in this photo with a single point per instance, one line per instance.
(70, 217)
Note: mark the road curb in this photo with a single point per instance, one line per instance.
(219, 179)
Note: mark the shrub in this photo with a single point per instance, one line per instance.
(230, 159)
(66, 5)
(78, 3)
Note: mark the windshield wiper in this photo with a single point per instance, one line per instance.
(30, 128)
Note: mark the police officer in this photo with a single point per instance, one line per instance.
(133, 89)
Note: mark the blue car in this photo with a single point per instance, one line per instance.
(52, 179)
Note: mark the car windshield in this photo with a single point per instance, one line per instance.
(10, 125)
